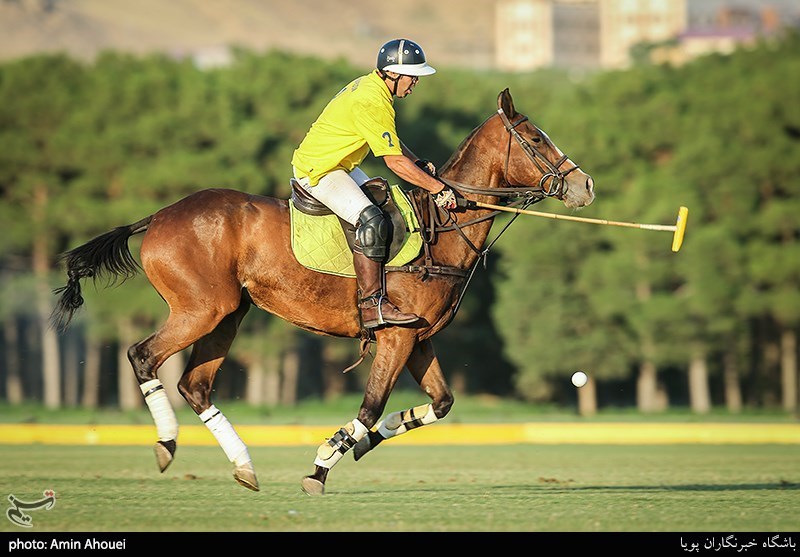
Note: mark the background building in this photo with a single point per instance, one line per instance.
(604, 34)
(581, 34)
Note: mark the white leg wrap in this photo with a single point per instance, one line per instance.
(332, 450)
(398, 423)
(226, 436)
(160, 409)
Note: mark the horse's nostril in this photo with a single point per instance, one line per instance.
(589, 184)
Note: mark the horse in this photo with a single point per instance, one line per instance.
(216, 252)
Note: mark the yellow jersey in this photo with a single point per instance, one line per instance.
(359, 119)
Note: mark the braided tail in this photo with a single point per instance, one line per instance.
(106, 255)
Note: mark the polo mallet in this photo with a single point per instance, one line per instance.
(678, 229)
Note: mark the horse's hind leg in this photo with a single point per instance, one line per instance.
(181, 330)
(196, 385)
(424, 367)
(146, 357)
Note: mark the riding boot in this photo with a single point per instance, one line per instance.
(375, 307)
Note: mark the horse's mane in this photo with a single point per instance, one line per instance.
(459, 152)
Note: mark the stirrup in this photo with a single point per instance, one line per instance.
(367, 304)
(377, 301)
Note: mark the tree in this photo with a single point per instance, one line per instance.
(36, 127)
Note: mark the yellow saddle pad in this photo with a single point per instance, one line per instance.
(319, 242)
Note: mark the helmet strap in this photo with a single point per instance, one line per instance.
(394, 80)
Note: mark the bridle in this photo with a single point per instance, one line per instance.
(553, 180)
(551, 184)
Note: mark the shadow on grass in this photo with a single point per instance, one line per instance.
(565, 486)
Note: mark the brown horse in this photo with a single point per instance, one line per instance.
(216, 252)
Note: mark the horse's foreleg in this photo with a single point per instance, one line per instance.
(424, 367)
(394, 424)
(195, 386)
(331, 452)
(394, 346)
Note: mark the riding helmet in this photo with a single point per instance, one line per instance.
(404, 57)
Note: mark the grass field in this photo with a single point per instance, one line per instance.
(504, 488)
(563, 475)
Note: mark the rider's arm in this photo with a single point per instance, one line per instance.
(405, 168)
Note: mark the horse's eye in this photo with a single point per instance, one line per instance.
(536, 139)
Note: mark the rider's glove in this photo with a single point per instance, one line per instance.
(427, 166)
(446, 199)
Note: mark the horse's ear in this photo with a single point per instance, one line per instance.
(505, 103)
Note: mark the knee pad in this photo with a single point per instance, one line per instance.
(372, 233)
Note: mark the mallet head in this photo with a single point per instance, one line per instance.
(680, 228)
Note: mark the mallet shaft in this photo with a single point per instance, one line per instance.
(678, 229)
(668, 227)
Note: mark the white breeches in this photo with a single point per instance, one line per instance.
(340, 192)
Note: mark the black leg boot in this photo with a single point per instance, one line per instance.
(374, 305)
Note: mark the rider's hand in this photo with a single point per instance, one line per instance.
(446, 199)
(427, 166)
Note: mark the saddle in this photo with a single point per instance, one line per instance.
(324, 242)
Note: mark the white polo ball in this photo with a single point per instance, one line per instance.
(579, 379)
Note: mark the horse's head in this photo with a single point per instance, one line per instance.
(532, 160)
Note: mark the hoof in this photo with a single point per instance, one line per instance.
(246, 476)
(312, 486)
(165, 451)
